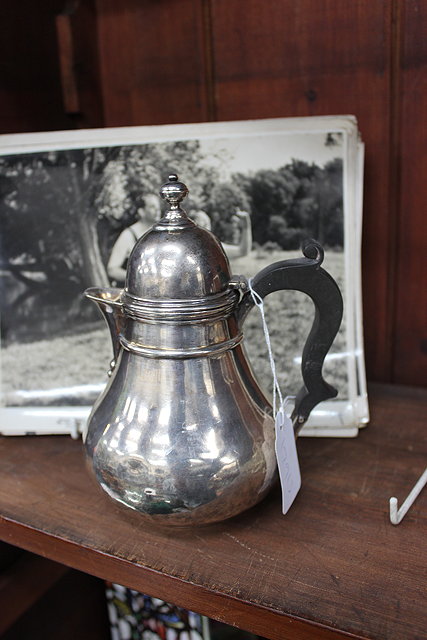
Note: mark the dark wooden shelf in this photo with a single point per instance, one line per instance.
(333, 566)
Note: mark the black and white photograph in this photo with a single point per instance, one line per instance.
(71, 214)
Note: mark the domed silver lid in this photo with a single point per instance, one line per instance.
(176, 259)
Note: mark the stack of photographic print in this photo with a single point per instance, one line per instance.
(69, 200)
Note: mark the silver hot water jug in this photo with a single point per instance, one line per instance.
(182, 433)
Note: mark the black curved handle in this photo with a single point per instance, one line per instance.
(306, 275)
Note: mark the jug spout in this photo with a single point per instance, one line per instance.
(109, 302)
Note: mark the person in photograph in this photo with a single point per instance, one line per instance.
(148, 214)
(241, 237)
(241, 232)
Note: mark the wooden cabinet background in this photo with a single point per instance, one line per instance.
(133, 62)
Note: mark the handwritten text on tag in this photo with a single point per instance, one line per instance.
(287, 459)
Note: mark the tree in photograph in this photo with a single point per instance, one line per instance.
(52, 247)
(297, 201)
(223, 200)
(270, 193)
(330, 219)
(50, 215)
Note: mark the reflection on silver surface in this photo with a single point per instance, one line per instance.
(182, 440)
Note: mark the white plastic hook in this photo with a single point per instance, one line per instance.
(396, 516)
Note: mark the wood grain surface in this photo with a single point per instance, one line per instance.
(152, 61)
(334, 563)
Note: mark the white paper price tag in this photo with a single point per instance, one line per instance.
(287, 459)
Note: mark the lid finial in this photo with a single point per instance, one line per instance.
(173, 191)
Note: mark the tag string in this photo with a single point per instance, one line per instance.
(258, 301)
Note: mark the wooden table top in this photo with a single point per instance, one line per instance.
(334, 565)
